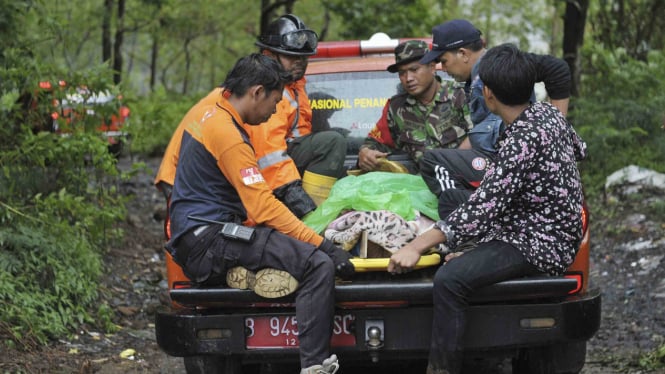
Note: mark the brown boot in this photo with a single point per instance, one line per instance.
(269, 283)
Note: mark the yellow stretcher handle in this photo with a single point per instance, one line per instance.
(381, 264)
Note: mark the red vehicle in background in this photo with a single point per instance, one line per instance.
(66, 109)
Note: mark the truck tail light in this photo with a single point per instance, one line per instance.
(585, 217)
(579, 277)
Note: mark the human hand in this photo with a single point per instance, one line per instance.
(341, 258)
(368, 159)
(403, 260)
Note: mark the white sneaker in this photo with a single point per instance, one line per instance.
(329, 366)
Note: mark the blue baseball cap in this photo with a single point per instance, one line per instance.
(451, 35)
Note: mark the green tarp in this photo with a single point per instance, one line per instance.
(402, 194)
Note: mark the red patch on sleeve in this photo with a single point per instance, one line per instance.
(251, 176)
(381, 131)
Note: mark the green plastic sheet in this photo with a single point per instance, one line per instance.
(402, 194)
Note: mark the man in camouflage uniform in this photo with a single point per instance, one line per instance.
(427, 115)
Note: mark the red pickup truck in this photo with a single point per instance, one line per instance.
(540, 324)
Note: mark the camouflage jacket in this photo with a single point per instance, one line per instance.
(412, 127)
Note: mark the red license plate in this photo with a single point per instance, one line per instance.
(282, 332)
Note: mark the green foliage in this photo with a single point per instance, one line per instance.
(48, 277)
(46, 162)
(11, 15)
(620, 113)
(58, 208)
(653, 360)
(521, 22)
(361, 19)
(517, 21)
(634, 25)
(104, 317)
(59, 203)
(155, 118)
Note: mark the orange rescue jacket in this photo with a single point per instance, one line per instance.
(292, 119)
(166, 172)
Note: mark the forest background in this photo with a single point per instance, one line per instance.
(59, 201)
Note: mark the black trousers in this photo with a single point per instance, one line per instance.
(452, 175)
(487, 264)
(210, 256)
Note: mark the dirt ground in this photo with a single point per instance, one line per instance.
(628, 248)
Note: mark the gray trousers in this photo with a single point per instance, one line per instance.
(209, 256)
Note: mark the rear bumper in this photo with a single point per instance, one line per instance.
(406, 329)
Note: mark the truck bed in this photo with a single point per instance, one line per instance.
(496, 317)
(414, 288)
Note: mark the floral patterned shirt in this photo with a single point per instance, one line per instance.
(531, 195)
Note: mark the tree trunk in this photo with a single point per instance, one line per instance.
(188, 63)
(326, 24)
(106, 30)
(153, 61)
(117, 46)
(573, 38)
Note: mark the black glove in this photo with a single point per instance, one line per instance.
(295, 198)
(343, 267)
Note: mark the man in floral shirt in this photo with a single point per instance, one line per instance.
(526, 213)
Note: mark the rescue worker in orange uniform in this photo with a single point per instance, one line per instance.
(217, 184)
(286, 147)
(290, 193)
(300, 166)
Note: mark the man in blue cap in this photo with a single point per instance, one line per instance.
(453, 174)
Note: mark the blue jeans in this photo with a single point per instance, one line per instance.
(487, 264)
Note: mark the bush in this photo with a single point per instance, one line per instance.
(155, 118)
(619, 114)
(59, 206)
(48, 279)
(653, 360)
